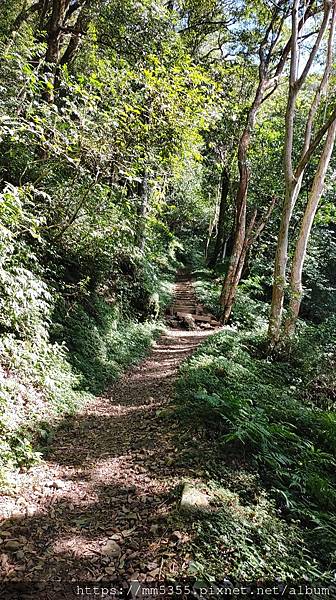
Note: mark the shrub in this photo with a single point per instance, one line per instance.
(48, 368)
(247, 312)
(266, 410)
(103, 344)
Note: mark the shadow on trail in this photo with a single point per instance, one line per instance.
(111, 473)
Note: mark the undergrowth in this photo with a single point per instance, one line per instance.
(63, 341)
(102, 345)
(43, 381)
(247, 312)
(274, 420)
(245, 538)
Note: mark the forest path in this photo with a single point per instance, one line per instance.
(101, 504)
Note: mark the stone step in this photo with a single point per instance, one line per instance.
(202, 318)
(185, 305)
(184, 295)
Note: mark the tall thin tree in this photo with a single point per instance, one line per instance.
(271, 65)
(294, 174)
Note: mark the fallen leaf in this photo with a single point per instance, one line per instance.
(110, 570)
(154, 574)
(127, 532)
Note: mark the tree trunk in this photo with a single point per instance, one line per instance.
(80, 28)
(54, 30)
(234, 285)
(212, 225)
(293, 178)
(305, 229)
(225, 183)
(241, 198)
(253, 231)
(61, 11)
(280, 265)
(23, 16)
(233, 264)
(240, 221)
(241, 205)
(291, 193)
(141, 237)
(266, 87)
(224, 248)
(239, 269)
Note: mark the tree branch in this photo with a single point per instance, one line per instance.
(312, 55)
(322, 86)
(261, 224)
(23, 15)
(314, 144)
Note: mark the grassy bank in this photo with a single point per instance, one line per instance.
(272, 429)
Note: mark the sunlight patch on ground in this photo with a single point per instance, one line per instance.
(77, 545)
(128, 410)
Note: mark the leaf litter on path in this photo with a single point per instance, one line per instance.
(102, 502)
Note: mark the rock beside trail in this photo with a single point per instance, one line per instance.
(111, 548)
(188, 318)
(12, 545)
(193, 499)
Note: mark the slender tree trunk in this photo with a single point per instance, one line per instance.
(61, 11)
(233, 290)
(280, 265)
(305, 229)
(239, 269)
(253, 231)
(240, 220)
(266, 87)
(54, 30)
(292, 190)
(241, 205)
(80, 29)
(23, 16)
(224, 248)
(225, 183)
(233, 264)
(241, 198)
(141, 237)
(212, 225)
(293, 177)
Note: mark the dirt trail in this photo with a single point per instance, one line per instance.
(101, 504)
